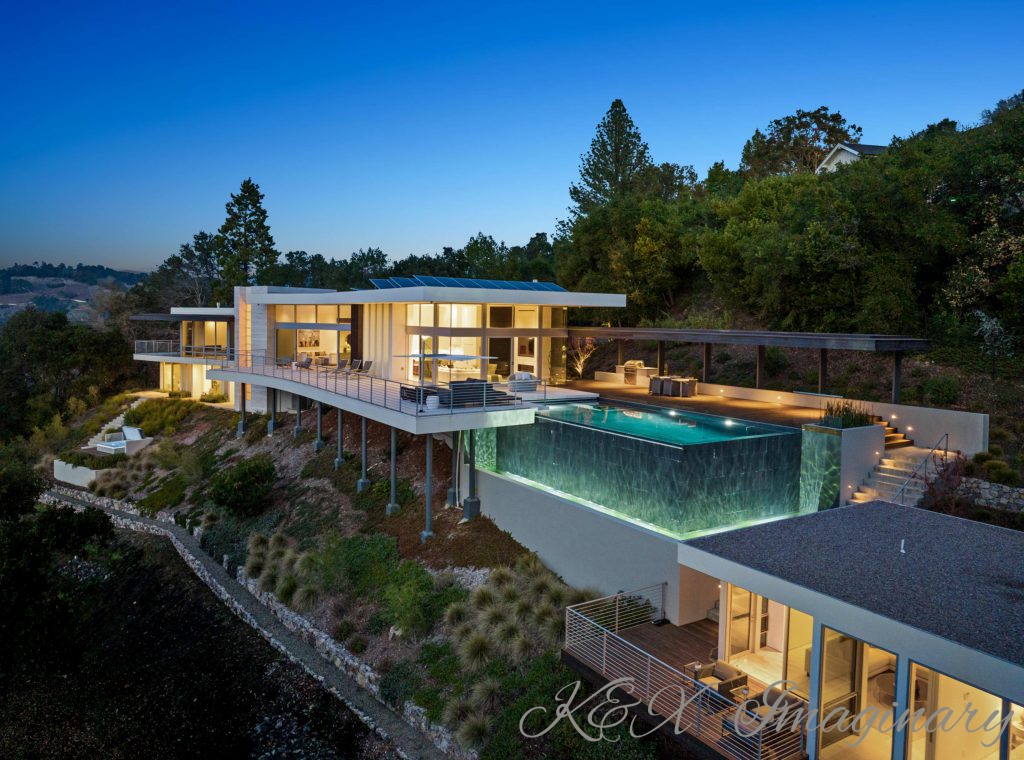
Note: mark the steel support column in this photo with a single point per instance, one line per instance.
(621, 346)
(661, 357)
(759, 368)
(822, 369)
(706, 369)
(298, 418)
(453, 488)
(471, 504)
(240, 431)
(392, 506)
(272, 403)
(339, 458)
(428, 490)
(363, 483)
(318, 444)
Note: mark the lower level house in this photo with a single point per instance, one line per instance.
(870, 631)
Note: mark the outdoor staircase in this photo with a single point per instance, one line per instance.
(893, 470)
(115, 424)
(894, 439)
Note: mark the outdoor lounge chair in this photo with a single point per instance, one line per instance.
(340, 368)
(721, 676)
(521, 382)
(305, 363)
(365, 368)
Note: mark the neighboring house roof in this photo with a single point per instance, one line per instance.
(860, 150)
(958, 579)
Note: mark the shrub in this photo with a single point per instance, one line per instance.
(982, 456)
(244, 488)
(996, 451)
(214, 398)
(80, 458)
(343, 629)
(485, 694)
(254, 565)
(170, 494)
(455, 614)
(357, 645)
(286, 587)
(999, 471)
(845, 414)
(457, 710)
(361, 563)
(398, 683)
(475, 730)
(304, 599)
(268, 578)
(942, 390)
(476, 651)
(159, 417)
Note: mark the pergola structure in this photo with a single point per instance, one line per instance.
(896, 345)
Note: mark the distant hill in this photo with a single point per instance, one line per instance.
(87, 274)
(73, 290)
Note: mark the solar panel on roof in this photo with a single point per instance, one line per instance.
(404, 282)
(428, 280)
(421, 280)
(381, 284)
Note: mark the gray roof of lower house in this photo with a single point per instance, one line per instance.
(959, 579)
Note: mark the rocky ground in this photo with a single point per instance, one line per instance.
(157, 667)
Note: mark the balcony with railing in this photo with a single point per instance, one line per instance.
(418, 400)
(174, 348)
(624, 636)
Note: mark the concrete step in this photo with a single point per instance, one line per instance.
(895, 479)
(898, 443)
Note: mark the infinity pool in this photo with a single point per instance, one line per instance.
(679, 472)
(663, 425)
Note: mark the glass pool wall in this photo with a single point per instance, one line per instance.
(680, 490)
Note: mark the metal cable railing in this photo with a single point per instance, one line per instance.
(174, 348)
(407, 398)
(922, 475)
(666, 692)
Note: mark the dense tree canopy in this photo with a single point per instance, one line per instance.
(797, 143)
(244, 246)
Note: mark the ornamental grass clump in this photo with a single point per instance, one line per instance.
(475, 730)
(476, 651)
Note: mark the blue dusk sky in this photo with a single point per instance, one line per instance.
(412, 126)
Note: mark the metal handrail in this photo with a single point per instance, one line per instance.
(944, 442)
(706, 715)
(407, 398)
(175, 348)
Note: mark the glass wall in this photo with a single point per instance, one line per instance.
(976, 738)
(799, 637)
(205, 336)
(740, 613)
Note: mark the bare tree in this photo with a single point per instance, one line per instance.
(580, 350)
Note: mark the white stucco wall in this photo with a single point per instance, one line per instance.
(968, 431)
(585, 547)
(76, 476)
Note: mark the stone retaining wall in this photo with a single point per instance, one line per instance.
(126, 515)
(992, 495)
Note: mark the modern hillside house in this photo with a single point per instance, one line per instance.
(742, 536)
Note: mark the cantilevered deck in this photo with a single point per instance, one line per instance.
(406, 406)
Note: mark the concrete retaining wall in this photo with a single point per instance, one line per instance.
(968, 431)
(584, 546)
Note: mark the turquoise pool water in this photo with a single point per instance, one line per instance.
(653, 424)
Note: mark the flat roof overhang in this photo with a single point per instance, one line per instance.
(953, 600)
(835, 341)
(427, 294)
(417, 424)
(204, 316)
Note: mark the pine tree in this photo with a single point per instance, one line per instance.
(245, 247)
(617, 161)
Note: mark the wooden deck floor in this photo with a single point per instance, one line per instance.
(756, 411)
(676, 645)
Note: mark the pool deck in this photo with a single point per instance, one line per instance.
(755, 411)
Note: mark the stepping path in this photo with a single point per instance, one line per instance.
(408, 742)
